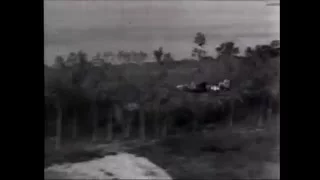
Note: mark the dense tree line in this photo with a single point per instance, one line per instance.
(105, 100)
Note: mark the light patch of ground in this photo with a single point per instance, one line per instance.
(120, 166)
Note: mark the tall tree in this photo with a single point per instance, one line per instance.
(77, 75)
(158, 55)
(200, 40)
(55, 89)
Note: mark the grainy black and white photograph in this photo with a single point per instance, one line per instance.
(162, 89)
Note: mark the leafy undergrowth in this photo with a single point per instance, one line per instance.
(226, 153)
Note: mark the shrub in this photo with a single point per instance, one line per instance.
(227, 48)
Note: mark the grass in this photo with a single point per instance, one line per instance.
(226, 153)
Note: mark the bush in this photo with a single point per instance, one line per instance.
(227, 48)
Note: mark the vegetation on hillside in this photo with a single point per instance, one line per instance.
(91, 97)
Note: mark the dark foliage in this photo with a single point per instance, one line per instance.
(89, 93)
(200, 39)
(158, 55)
